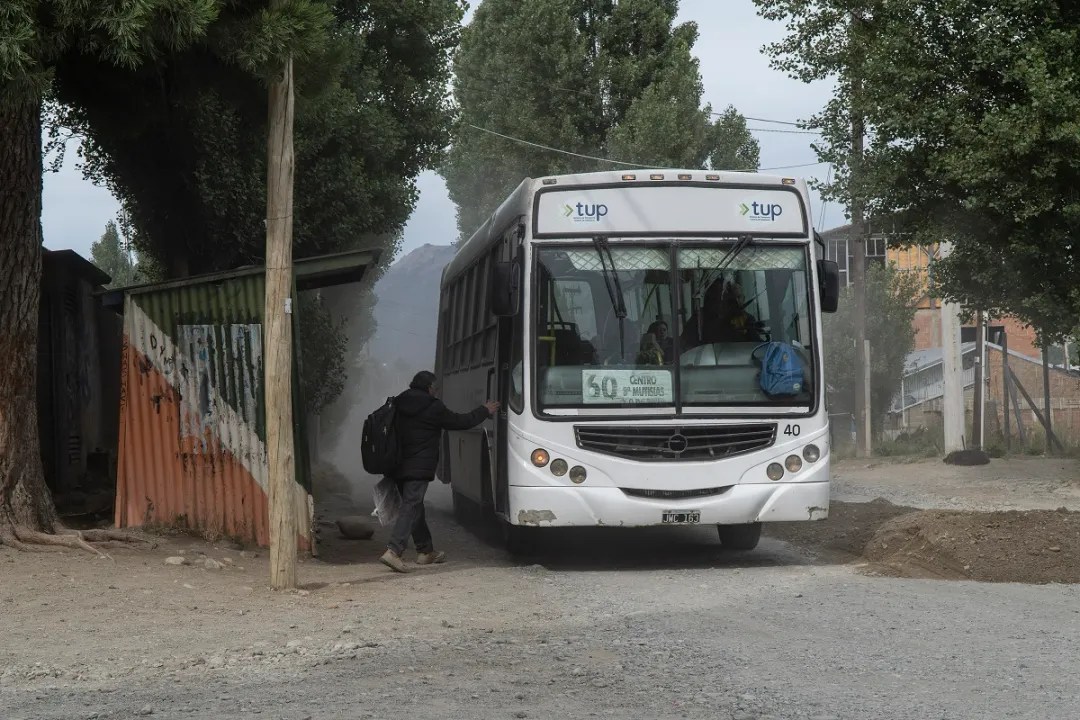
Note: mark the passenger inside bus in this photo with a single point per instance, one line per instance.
(722, 317)
(663, 339)
(650, 352)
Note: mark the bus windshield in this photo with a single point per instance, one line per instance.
(685, 331)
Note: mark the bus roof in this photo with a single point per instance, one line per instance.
(669, 175)
(518, 203)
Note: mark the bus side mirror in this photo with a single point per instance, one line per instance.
(506, 289)
(829, 284)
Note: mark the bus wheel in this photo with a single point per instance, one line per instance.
(740, 537)
(465, 510)
(519, 541)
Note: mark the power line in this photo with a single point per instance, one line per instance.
(591, 94)
(782, 167)
(766, 120)
(553, 149)
(824, 202)
(619, 162)
(791, 132)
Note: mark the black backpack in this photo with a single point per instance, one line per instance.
(379, 448)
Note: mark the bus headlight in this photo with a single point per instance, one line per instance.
(775, 471)
(558, 467)
(793, 463)
(540, 457)
(811, 453)
(577, 474)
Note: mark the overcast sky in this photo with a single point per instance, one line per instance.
(733, 70)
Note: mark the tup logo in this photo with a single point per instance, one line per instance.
(585, 212)
(761, 212)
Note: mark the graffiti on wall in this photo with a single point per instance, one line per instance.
(219, 368)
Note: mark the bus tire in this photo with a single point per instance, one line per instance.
(519, 541)
(465, 510)
(740, 537)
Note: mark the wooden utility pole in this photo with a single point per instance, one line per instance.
(868, 449)
(980, 382)
(1006, 393)
(953, 411)
(857, 241)
(1049, 422)
(277, 320)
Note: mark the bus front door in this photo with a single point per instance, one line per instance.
(501, 385)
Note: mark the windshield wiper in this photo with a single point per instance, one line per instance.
(614, 288)
(741, 244)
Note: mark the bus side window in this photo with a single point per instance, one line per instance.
(517, 342)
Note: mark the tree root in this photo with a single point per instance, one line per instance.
(7, 537)
(75, 542)
(27, 540)
(105, 535)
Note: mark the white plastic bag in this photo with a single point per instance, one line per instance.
(387, 501)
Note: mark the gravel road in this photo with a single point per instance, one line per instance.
(604, 624)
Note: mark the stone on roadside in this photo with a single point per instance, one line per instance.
(355, 527)
(211, 564)
(177, 560)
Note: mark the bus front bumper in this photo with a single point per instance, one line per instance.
(608, 506)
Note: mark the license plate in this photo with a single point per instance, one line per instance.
(682, 517)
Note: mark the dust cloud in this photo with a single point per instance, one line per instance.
(390, 331)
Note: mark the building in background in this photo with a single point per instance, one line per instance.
(919, 402)
(884, 246)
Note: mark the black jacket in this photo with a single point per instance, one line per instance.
(421, 418)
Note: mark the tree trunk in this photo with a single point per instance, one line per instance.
(25, 501)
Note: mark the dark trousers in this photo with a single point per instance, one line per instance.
(411, 519)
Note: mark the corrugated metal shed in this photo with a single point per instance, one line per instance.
(192, 446)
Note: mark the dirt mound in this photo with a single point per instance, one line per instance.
(843, 536)
(1033, 546)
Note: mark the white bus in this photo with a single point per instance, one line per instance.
(623, 320)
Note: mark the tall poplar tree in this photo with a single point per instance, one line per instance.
(609, 79)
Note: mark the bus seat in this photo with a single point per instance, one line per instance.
(568, 350)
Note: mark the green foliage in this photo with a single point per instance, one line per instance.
(371, 114)
(973, 113)
(322, 341)
(890, 300)
(112, 255)
(605, 79)
(34, 34)
(922, 442)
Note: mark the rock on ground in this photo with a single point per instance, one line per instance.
(355, 527)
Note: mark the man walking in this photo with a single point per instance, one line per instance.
(421, 418)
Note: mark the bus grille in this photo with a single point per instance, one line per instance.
(690, 442)
(675, 494)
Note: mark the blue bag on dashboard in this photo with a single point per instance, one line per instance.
(781, 370)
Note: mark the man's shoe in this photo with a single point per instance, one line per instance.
(432, 558)
(393, 561)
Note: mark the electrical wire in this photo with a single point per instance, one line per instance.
(554, 149)
(639, 165)
(824, 202)
(591, 94)
(766, 120)
(790, 132)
